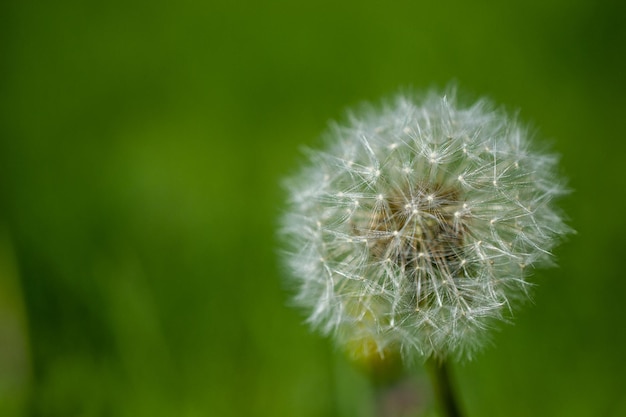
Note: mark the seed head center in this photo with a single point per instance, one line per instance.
(420, 228)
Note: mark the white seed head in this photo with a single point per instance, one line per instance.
(417, 226)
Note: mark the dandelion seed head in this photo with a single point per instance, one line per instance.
(417, 225)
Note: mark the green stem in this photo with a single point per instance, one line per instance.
(442, 386)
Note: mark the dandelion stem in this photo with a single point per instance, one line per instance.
(442, 386)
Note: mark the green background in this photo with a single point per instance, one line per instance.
(142, 145)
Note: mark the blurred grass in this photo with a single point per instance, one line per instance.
(141, 149)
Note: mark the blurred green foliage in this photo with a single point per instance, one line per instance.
(142, 146)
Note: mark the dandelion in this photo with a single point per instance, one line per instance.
(417, 226)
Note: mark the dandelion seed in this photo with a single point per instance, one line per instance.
(445, 224)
